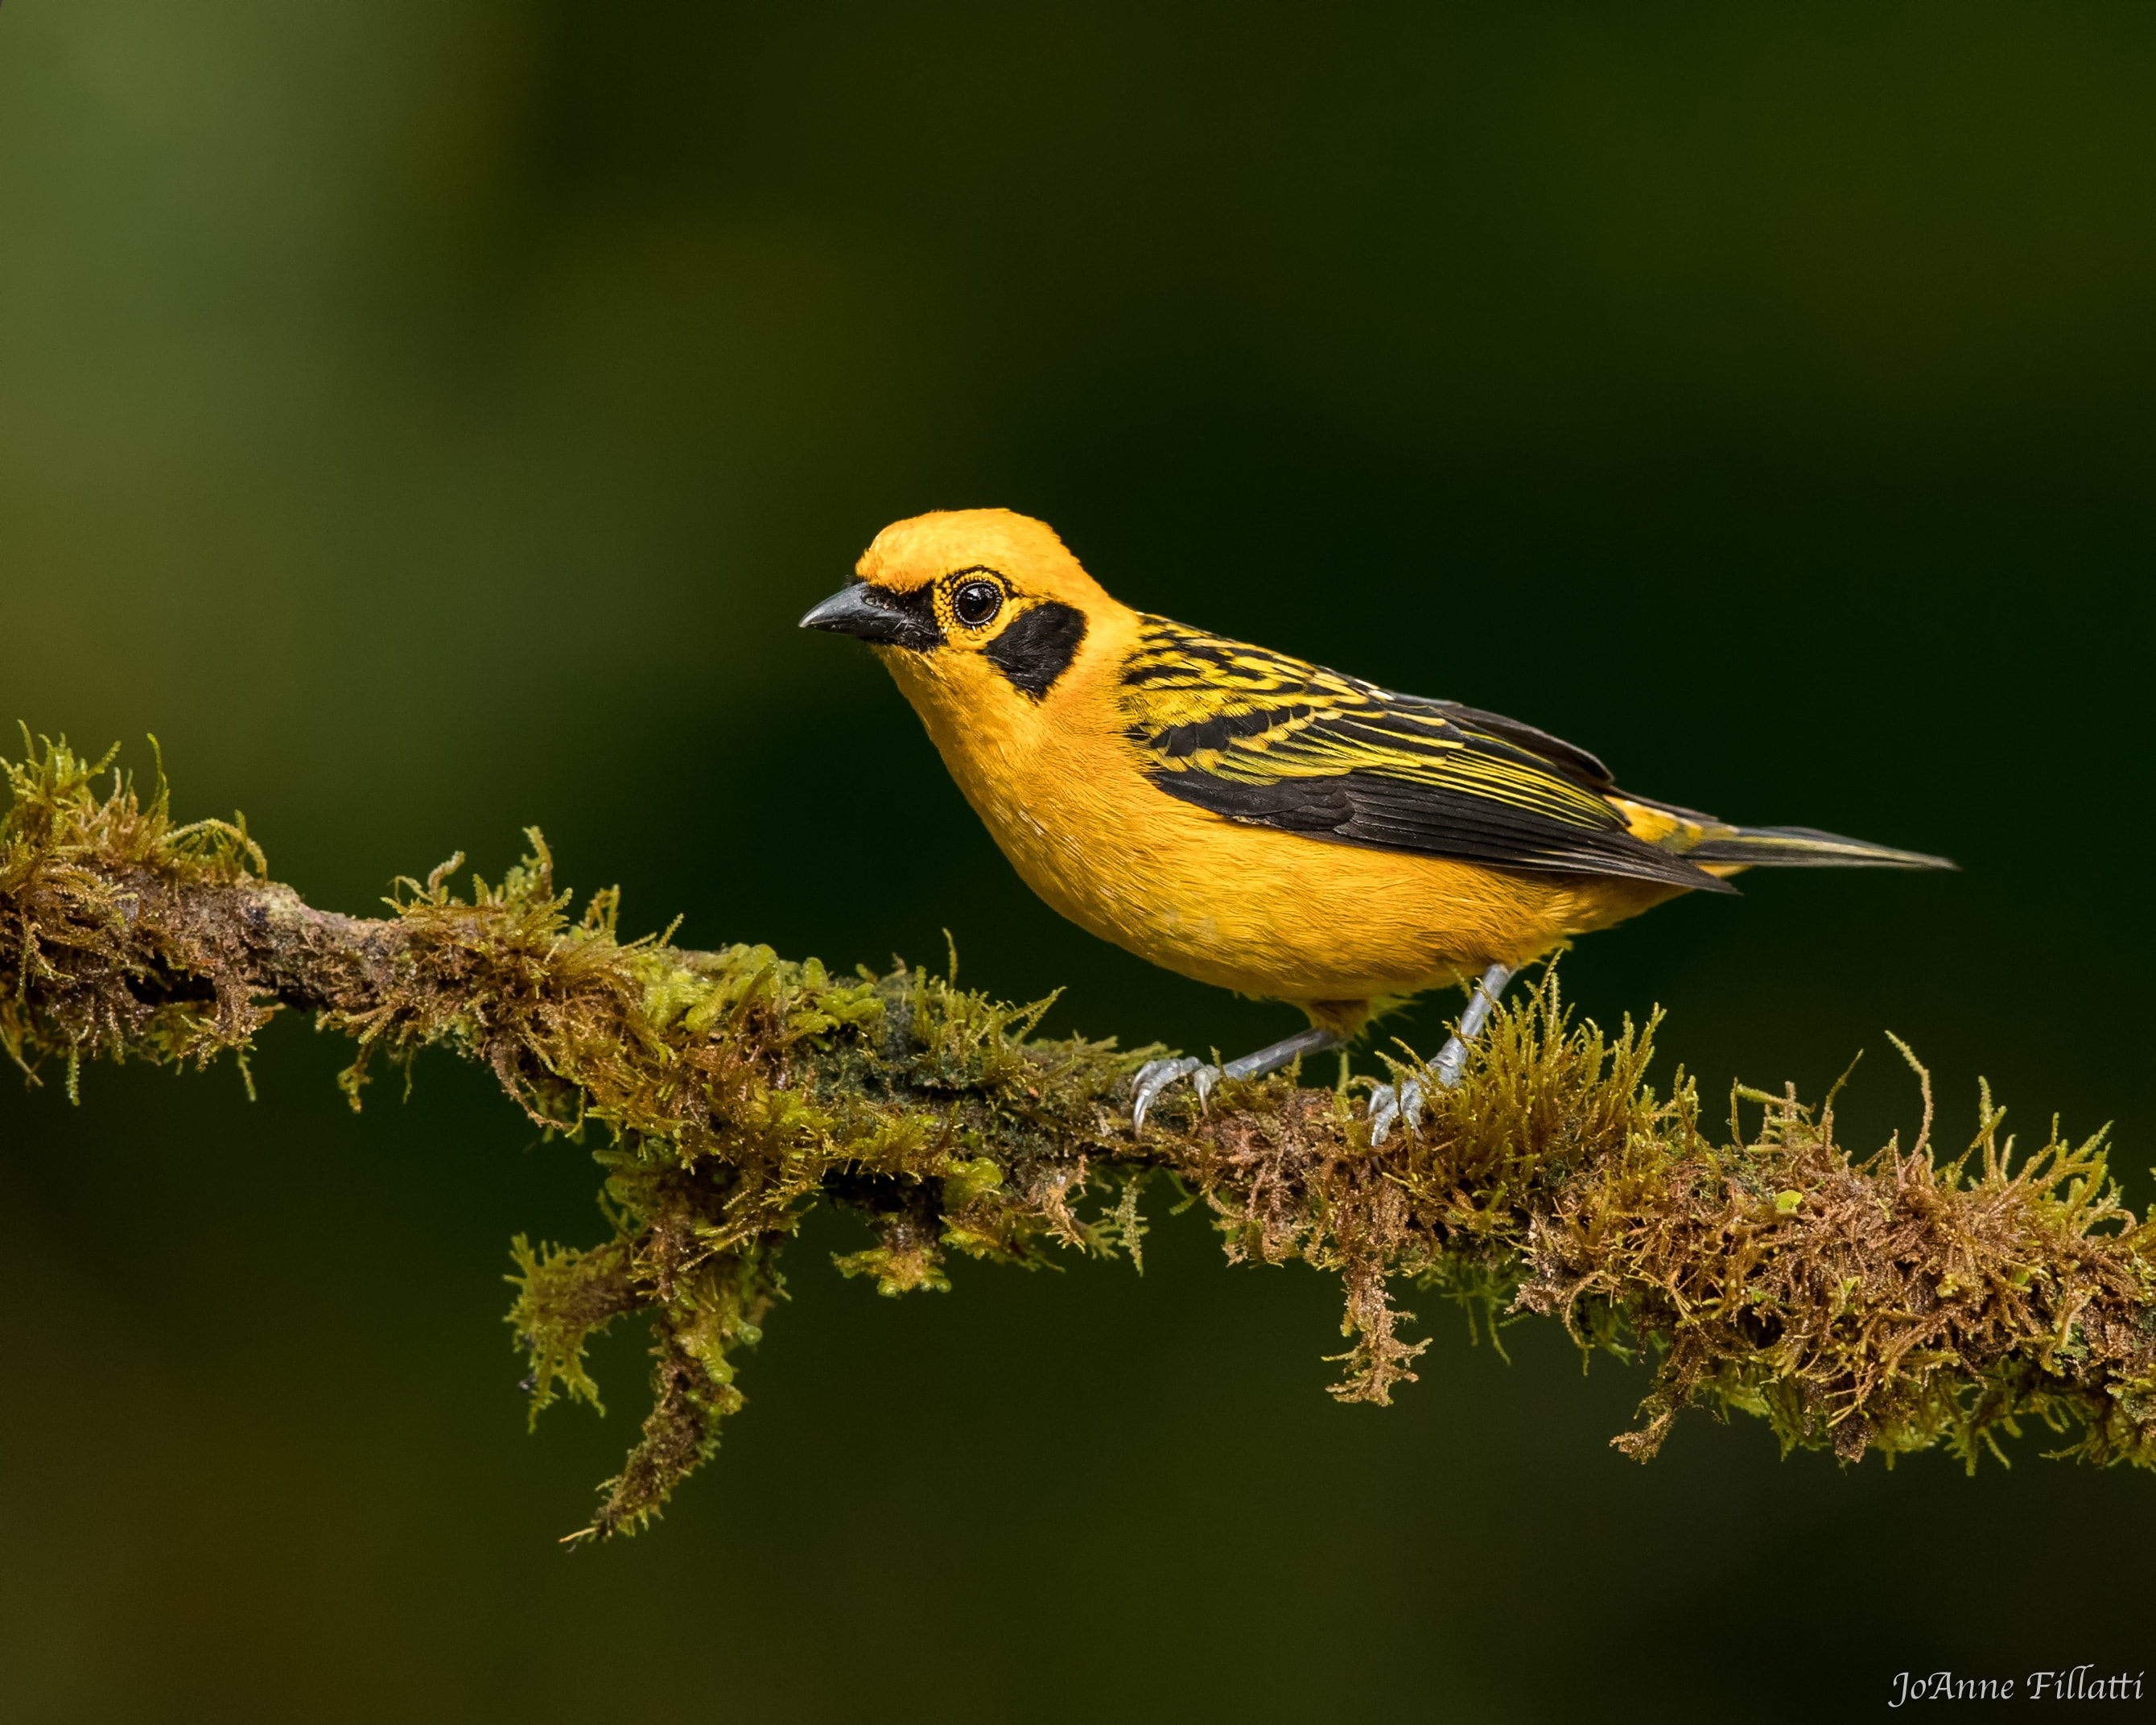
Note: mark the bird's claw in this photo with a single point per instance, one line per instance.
(1155, 1076)
(1390, 1105)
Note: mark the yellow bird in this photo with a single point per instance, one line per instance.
(1254, 821)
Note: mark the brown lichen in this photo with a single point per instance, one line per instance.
(1891, 1301)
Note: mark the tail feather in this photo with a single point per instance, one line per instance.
(1804, 848)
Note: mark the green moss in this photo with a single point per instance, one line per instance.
(1893, 1300)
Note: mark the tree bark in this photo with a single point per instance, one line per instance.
(1894, 1301)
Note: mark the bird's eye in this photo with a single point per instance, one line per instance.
(976, 602)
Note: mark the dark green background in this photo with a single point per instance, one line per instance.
(430, 417)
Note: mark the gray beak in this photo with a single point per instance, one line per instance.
(851, 611)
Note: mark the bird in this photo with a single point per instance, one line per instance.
(1255, 821)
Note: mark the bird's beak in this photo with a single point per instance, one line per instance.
(851, 611)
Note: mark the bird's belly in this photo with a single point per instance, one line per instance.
(1279, 915)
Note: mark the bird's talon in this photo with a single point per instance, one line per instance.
(1155, 1076)
(1389, 1105)
(1384, 1110)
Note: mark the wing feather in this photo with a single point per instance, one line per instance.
(1264, 738)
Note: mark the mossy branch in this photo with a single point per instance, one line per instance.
(1894, 1301)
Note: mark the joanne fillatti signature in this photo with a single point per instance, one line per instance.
(2078, 1682)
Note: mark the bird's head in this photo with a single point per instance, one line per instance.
(980, 603)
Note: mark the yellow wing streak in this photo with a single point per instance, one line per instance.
(1184, 693)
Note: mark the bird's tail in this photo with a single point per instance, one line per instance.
(1721, 849)
(1802, 847)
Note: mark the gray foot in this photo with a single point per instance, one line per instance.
(1389, 1105)
(1155, 1076)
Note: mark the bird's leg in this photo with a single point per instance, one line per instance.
(1454, 1054)
(1155, 1076)
(1388, 1105)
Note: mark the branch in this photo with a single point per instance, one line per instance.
(1894, 1301)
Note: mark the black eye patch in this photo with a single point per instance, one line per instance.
(1038, 647)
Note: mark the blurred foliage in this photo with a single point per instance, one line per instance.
(430, 420)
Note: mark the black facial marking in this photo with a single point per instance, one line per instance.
(1038, 647)
(913, 616)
